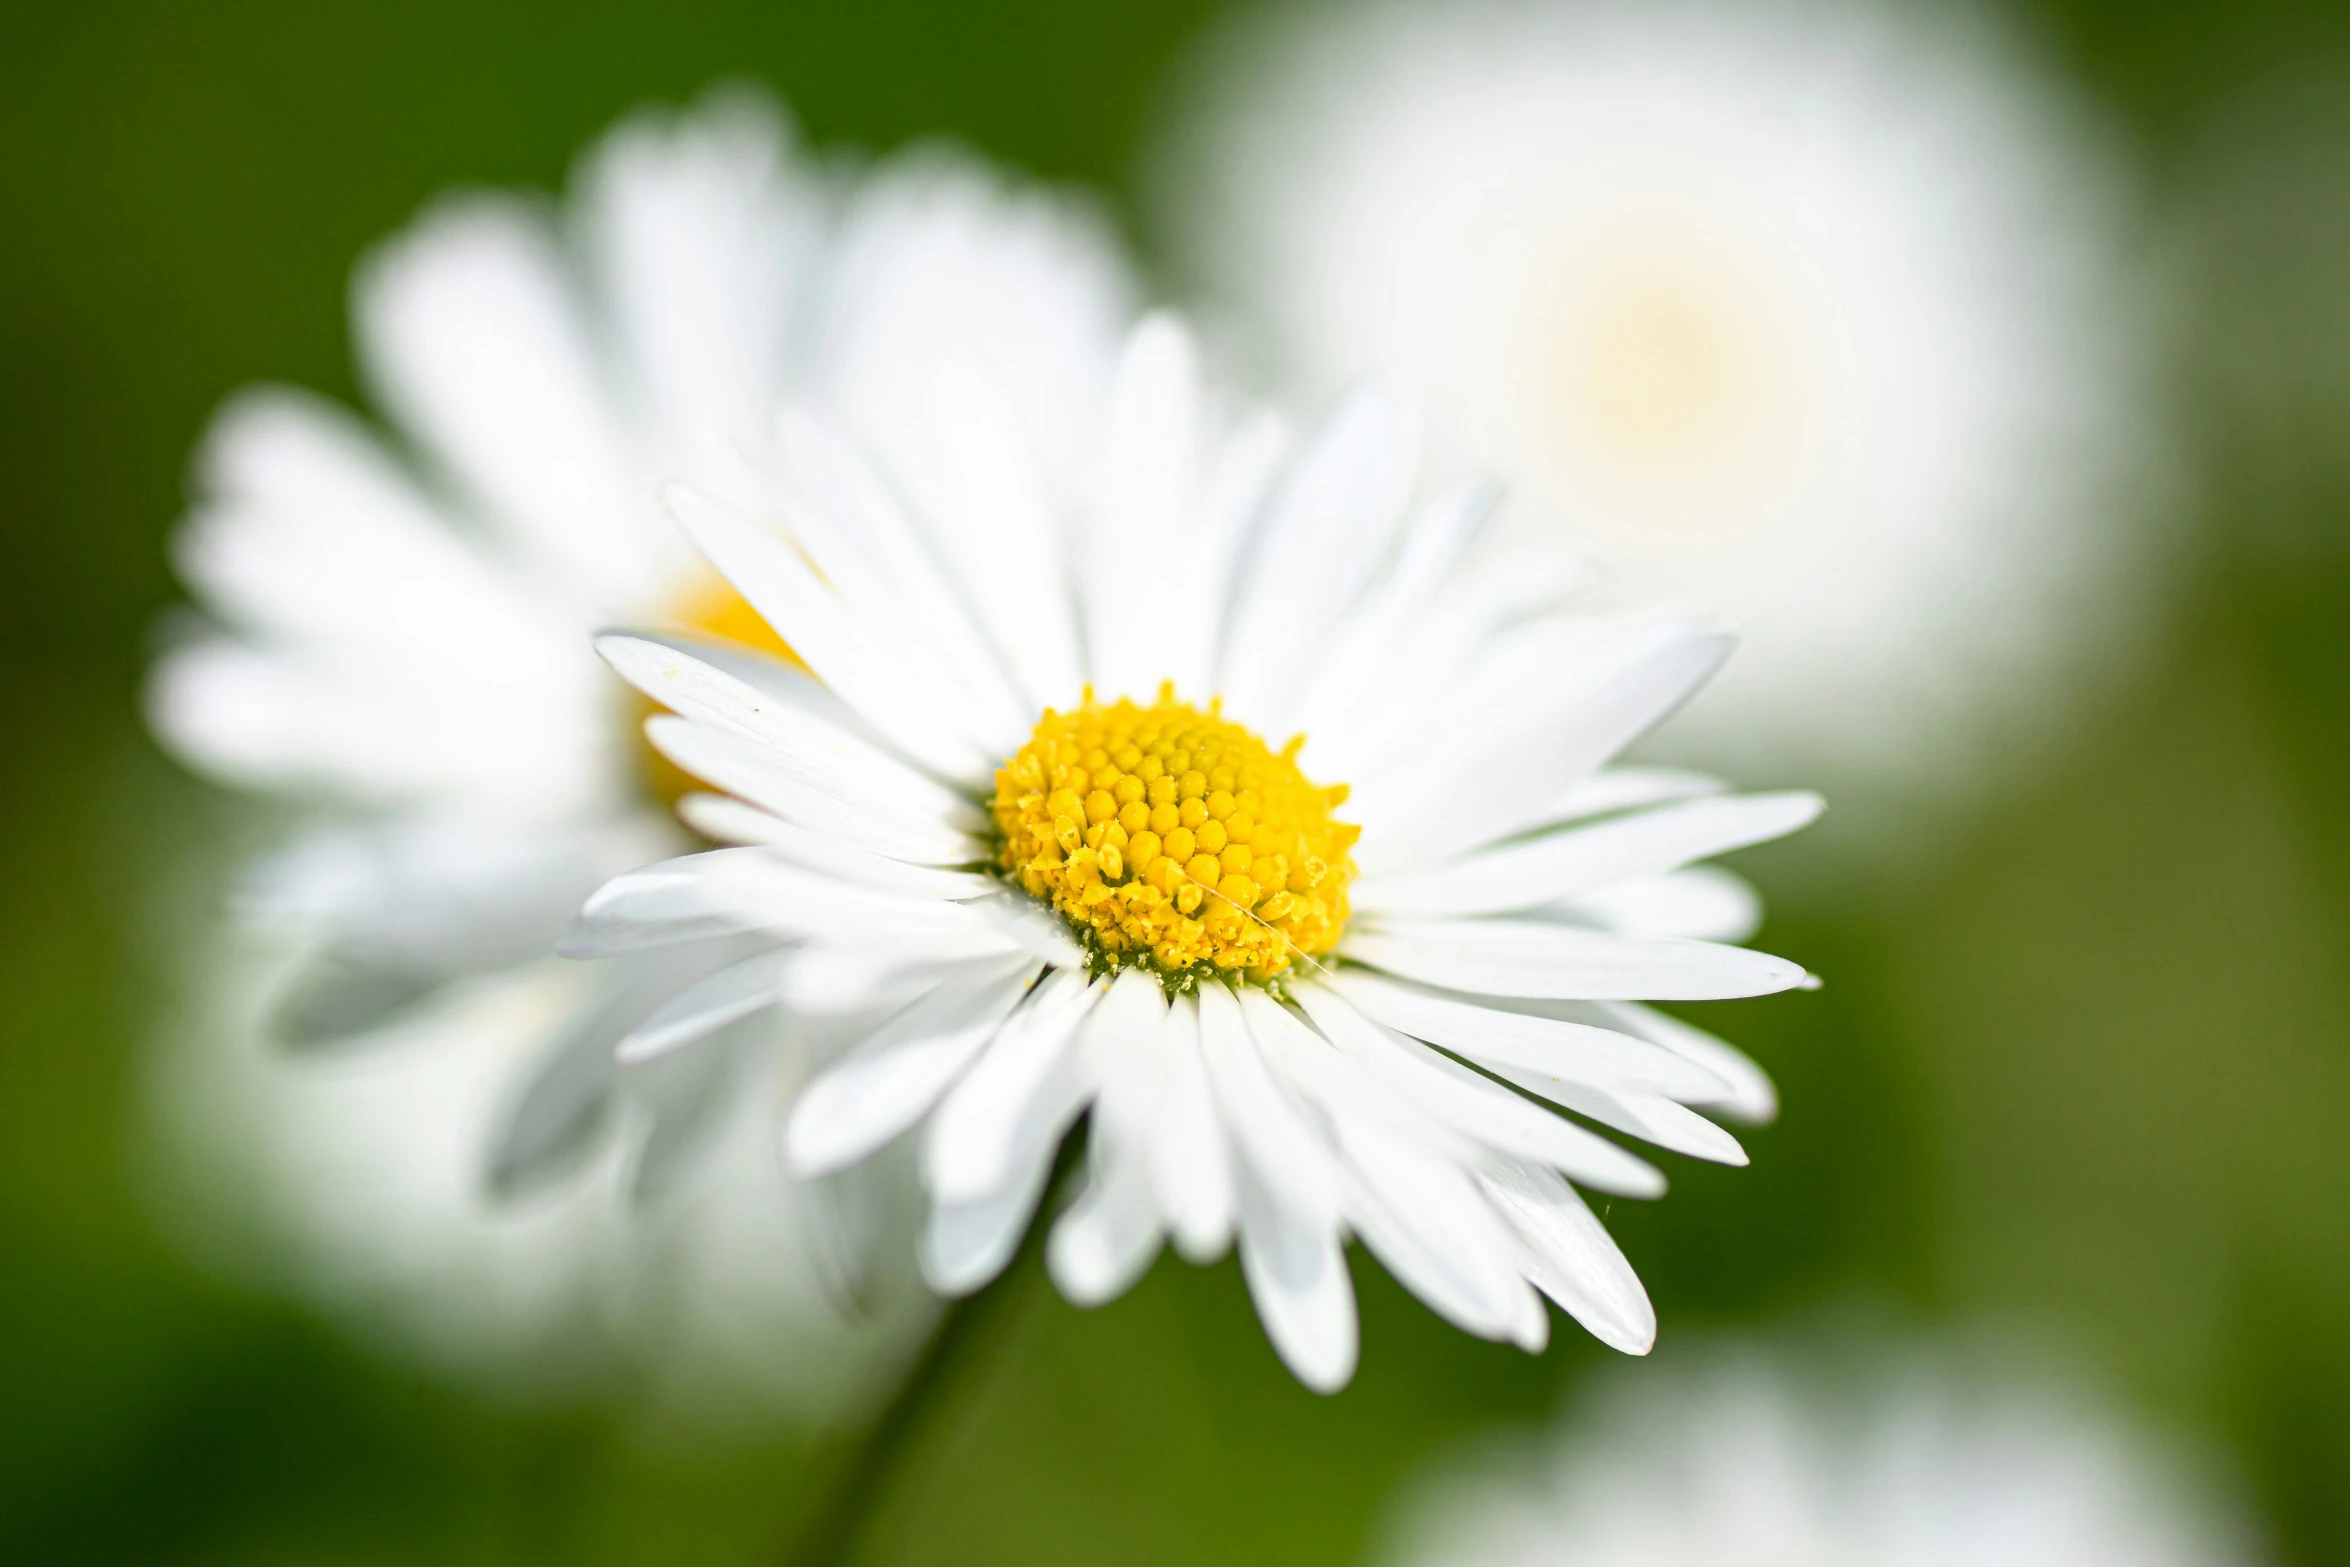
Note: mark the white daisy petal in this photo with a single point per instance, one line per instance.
(1148, 472)
(997, 530)
(1560, 866)
(1324, 535)
(477, 343)
(1477, 1106)
(1651, 1117)
(696, 1013)
(861, 668)
(1425, 1217)
(700, 232)
(869, 977)
(784, 710)
(1627, 788)
(966, 1244)
(898, 1074)
(826, 794)
(1016, 1099)
(1751, 1098)
(1296, 1272)
(940, 260)
(732, 890)
(725, 819)
(1569, 1256)
(1191, 1164)
(860, 538)
(1700, 903)
(1490, 1034)
(1268, 1134)
(1531, 958)
(1542, 728)
(1110, 1234)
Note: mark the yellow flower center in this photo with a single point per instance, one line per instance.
(1175, 839)
(712, 607)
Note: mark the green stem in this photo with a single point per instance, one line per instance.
(857, 1482)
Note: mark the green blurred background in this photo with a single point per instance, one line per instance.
(2088, 1070)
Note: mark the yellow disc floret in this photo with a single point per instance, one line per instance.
(1173, 839)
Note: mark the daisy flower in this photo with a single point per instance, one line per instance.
(1814, 313)
(395, 637)
(1747, 1459)
(1247, 809)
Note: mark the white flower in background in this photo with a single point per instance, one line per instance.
(1027, 844)
(399, 645)
(1813, 314)
(1747, 1460)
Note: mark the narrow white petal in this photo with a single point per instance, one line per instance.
(1427, 1219)
(479, 347)
(1326, 532)
(869, 551)
(1016, 1098)
(1628, 788)
(1191, 1161)
(1533, 958)
(786, 711)
(1110, 1234)
(1352, 681)
(724, 819)
(1232, 505)
(871, 976)
(698, 231)
(756, 888)
(846, 656)
(825, 794)
(1650, 1117)
(1598, 1056)
(1698, 903)
(996, 526)
(1295, 1266)
(966, 1244)
(1143, 540)
(1570, 1256)
(1750, 1098)
(701, 1010)
(898, 1074)
(938, 258)
(1287, 1153)
(1558, 866)
(1475, 1106)
(1558, 701)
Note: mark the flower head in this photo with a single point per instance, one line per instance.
(1817, 313)
(1252, 809)
(397, 644)
(1752, 1459)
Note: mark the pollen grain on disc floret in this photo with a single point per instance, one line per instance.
(1174, 839)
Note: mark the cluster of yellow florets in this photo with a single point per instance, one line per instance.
(1174, 839)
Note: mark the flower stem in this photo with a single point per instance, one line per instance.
(855, 1483)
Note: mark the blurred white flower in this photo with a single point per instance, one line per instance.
(1812, 313)
(398, 644)
(1027, 846)
(1763, 1459)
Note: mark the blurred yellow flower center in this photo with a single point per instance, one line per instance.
(711, 607)
(1174, 839)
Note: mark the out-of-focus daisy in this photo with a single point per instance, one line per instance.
(399, 623)
(1245, 807)
(1811, 312)
(1747, 1460)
